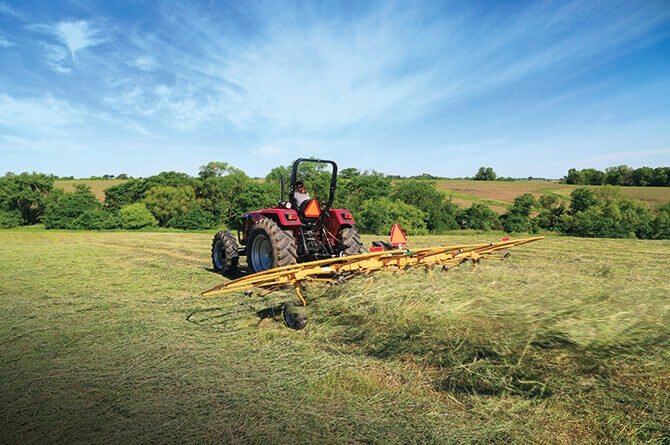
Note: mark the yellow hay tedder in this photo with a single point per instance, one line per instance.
(337, 270)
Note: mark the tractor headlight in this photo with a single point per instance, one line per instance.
(288, 205)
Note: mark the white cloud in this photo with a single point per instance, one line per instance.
(8, 10)
(5, 42)
(38, 115)
(77, 35)
(73, 36)
(144, 63)
(57, 58)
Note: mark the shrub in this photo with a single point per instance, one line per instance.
(379, 214)
(581, 199)
(516, 222)
(194, 219)
(64, 208)
(9, 219)
(660, 227)
(136, 216)
(97, 219)
(517, 218)
(353, 190)
(125, 193)
(440, 214)
(478, 217)
(614, 218)
(167, 202)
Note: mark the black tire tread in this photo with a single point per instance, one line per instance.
(352, 241)
(284, 250)
(231, 252)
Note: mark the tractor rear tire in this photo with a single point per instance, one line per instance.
(269, 247)
(225, 254)
(352, 241)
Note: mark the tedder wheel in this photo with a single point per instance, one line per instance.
(294, 315)
(225, 255)
(352, 241)
(269, 246)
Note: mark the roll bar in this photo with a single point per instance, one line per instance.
(333, 179)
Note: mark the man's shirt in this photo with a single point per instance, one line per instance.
(300, 198)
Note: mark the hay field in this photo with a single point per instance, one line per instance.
(499, 194)
(98, 186)
(106, 340)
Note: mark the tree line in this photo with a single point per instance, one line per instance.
(620, 175)
(221, 193)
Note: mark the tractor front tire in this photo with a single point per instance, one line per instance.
(269, 247)
(225, 254)
(351, 241)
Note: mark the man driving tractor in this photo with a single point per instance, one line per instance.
(301, 194)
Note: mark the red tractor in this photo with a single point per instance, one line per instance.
(289, 232)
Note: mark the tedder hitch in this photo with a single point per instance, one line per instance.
(335, 270)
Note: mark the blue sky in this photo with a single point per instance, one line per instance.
(97, 87)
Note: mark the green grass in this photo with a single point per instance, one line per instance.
(105, 339)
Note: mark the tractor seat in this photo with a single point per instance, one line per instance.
(309, 209)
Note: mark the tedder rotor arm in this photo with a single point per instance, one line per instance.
(336, 269)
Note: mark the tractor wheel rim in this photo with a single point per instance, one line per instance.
(261, 253)
(219, 254)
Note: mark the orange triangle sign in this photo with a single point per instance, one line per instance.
(397, 235)
(312, 210)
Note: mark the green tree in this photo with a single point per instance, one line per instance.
(194, 219)
(485, 174)
(26, 193)
(215, 168)
(517, 218)
(574, 177)
(125, 193)
(547, 201)
(551, 213)
(581, 199)
(379, 214)
(96, 219)
(63, 209)
(9, 219)
(136, 216)
(353, 191)
(220, 195)
(591, 176)
(660, 226)
(620, 175)
(440, 214)
(171, 179)
(478, 217)
(643, 176)
(348, 173)
(167, 202)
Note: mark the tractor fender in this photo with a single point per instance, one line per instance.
(283, 217)
(339, 218)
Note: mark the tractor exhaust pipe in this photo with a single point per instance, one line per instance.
(281, 197)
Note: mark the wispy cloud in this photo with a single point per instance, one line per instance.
(71, 37)
(144, 63)
(57, 58)
(5, 42)
(43, 115)
(9, 10)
